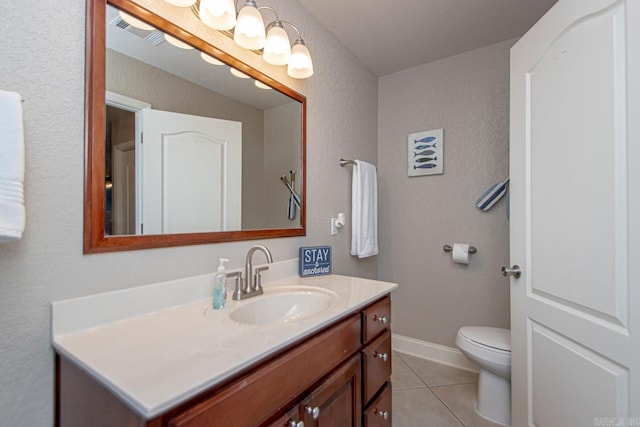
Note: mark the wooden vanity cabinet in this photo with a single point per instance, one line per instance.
(335, 402)
(376, 364)
(325, 381)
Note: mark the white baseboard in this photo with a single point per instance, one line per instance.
(430, 351)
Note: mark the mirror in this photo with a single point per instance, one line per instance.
(179, 150)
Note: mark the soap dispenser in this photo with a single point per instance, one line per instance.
(220, 286)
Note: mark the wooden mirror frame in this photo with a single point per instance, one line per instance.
(94, 163)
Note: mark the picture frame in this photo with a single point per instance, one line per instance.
(425, 153)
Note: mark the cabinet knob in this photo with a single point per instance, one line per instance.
(296, 424)
(381, 319)
(383, 414)
(314, 412)
(382, 356)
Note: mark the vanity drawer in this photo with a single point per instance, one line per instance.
(250, 400)
(376, 359)
(378, 414)
(376, 318)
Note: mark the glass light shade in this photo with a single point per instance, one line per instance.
(177, 43)
(218, 14)
(135, 22)
(249, 31)
(261, 85)
(210, 59)
(300, 65)
(238, 73)
(277, 47)
(181, 3)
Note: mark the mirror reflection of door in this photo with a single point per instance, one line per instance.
(124, 188)
(191, 173)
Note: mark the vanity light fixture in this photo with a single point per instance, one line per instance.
(248, 31)
(218, 14)
(181, 3)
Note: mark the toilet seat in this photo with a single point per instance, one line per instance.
(493, 339)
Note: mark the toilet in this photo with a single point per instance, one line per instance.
(490, 349)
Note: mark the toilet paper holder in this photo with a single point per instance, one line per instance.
(449, 248)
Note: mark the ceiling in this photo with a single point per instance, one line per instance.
(393, 35)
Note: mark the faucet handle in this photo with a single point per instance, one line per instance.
(237, 293)
(257, 278)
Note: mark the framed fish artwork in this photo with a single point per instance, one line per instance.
(425, 153)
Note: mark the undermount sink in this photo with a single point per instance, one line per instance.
(282, 305)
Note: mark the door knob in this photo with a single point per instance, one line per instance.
(513, 271)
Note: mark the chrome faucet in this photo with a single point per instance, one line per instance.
(251, 285)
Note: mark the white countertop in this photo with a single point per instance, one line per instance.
(155, 355)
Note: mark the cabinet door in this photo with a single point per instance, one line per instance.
(336, 402)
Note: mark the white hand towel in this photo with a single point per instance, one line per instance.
(12, 211)
(364, 210)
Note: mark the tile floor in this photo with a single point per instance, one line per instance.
(430, 394)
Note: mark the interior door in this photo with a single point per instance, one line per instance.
(575, 216)
(191, 173)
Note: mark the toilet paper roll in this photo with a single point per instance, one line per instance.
(460, 253)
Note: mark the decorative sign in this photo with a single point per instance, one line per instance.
(315, 261)
(425, 153)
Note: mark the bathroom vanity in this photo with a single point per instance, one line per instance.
(188, 365)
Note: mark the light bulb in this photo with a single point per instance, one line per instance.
(177, 43)
(181, 3)
(277, 47)
(218, 14)
(135, 22)
(249, 31)
(300, 65)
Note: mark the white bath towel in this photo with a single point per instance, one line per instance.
(12, 211)
(364, 210)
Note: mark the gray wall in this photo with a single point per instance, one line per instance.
(279, 158)
(42, 51)
(468, 96)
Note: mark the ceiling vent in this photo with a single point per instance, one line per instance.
(154, 38)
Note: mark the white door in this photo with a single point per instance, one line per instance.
(191, 173)
(575, 223)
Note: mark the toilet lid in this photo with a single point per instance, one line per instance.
(498, 338)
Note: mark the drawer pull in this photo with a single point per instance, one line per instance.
(297, 424)
(383, 414)
(314, 412)
(382, 356)
(381, 319)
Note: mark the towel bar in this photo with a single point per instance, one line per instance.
(344, 162)
(449, 248)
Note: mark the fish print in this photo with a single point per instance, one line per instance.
(423, 146)
(425, 139)
(425, 166)
(426, 159)
(424, 153)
